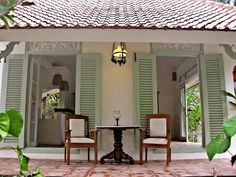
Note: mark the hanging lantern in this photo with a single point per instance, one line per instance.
(119, 54)
(64, 86)
(57, 80)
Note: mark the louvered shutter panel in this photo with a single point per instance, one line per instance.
(88, 87)
(15, 90)
(145, 86)
(213, 101)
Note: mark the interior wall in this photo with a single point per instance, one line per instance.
(166, 88)
(169, 90)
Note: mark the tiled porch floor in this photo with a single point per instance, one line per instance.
(200, 167)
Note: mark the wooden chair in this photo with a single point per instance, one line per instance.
(77, 135)
(156, 135)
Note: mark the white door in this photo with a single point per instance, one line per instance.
(34, 103)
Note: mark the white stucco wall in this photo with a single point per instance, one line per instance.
(116, 90)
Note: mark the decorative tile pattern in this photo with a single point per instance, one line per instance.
(175, 47)
(128, 14)
(54, 46)
(177, 168)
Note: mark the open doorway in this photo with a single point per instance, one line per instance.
(45, 126)
(179, 95)
(192, 111)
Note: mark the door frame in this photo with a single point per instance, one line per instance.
(31, 54)
(173, 51)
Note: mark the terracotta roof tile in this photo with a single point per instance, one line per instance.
(136, 14)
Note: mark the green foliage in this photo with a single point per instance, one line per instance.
(4, 125)
(229, 127)
(5, 10)
(11, 122)
(220, 144)
(193, 112)
(217, 145)
(5, 7)
(54, 99)
(231, 96)
(16, 122)
(23, 160)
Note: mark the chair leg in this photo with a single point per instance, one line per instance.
(146, 154)
(89, 154)
(68, 155)
(168, 159)
(141, 154)
(96, 154)
(65, 154)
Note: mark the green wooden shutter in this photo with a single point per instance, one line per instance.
(144, 86)
(14, 91)
(213, 101)
(88, 87)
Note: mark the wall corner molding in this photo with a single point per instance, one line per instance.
(9, 48)
(229, 50)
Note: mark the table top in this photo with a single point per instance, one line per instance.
(117, 127)
(64, 110)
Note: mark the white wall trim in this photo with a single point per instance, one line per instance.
(111, 35)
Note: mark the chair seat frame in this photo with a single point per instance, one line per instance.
(144, 134)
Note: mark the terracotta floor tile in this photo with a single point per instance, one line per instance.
(177, 168)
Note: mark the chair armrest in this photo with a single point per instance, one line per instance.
(67, 133)
(142, 134)
(93, 134)
(169, 136)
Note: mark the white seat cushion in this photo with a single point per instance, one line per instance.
(81, 140)
(155, 141)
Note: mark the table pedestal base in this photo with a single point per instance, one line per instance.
(118, 156)
(117, 153)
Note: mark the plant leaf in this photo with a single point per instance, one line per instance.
(4, 125)
(23, 160)
(10, 3)
(37, 173)
(217, 145)
(229, 126)
(28, 3)
(7, 19)
(234, 104)
(233, 160)
(16, 122)
(229, 94)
